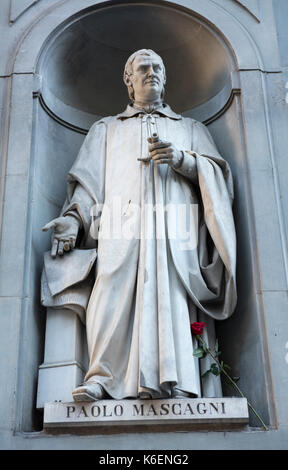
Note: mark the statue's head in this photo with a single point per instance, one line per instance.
(145, 76)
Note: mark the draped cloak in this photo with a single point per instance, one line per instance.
(148, 283)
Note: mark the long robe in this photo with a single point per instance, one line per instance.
(150, 280)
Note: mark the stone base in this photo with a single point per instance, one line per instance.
(135, 412)
(65, 359)
(58, 380)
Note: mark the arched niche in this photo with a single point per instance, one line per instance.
(81, 67)
(79, 78)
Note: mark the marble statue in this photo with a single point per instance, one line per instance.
(138, 289)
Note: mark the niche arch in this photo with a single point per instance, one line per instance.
(64, 110)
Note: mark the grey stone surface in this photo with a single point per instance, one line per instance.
(18, 7)
(15, 32)
(65, 357)
(224, 12)
(181, 441)
(68, 342)
(276, 324)
(252, 6)
(56, 149)
(57, 381)
(4, 83)
(238, 333)
(277, 93)
(260, 159)
(267, 216)
(123, 412)
(10, 309)
(281, 12)
(13, 237)
(19, 147)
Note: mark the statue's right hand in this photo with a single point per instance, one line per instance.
(65, 234)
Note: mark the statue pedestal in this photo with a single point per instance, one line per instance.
(142, 412)
(65, 358)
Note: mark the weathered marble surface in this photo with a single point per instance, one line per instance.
(18, 7)
(123, 412)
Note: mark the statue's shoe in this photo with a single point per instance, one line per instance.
(179, 393)
(89, 392)
(145, 396)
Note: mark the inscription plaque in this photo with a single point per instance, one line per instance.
(195, 410)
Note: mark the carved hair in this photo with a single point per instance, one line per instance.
(128, 70)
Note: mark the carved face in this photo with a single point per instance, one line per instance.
(147, 79)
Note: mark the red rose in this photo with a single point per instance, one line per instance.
(197, 328)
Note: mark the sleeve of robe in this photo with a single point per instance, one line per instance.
(86, 182)
(62, 285)
(209, 270)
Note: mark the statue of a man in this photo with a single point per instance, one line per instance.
(148, 284)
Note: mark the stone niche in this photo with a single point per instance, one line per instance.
(78, 80)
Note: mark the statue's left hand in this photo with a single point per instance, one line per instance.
(165, 152)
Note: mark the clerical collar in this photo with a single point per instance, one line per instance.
(163, 109)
